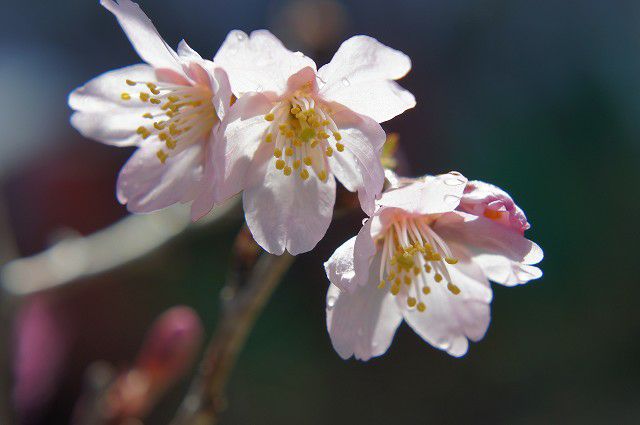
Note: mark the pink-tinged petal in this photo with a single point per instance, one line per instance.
(360, 76)
(143, 35)
(358, 167)
(488, 241)
(362, 323)
(146, 185)
(435, 195)
(243, 135)
(221, 92)
(259, 62)
(449, 321)
(484, 199)
(286, 212)
(348, 267)
(102, 114)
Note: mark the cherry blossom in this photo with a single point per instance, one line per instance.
(294, 129)
(170, 108)
(426, 257)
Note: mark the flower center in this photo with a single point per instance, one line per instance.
(415, 256)
(183, 114)
(304, 135)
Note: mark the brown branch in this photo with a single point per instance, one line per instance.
(251, 281)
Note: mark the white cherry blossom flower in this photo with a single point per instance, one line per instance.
(170, 108)
(426, 257)
(294, 128)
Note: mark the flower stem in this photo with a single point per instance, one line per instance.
(252, 280)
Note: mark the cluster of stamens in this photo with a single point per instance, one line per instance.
(184, 114)
(303, 135)
(413, 255)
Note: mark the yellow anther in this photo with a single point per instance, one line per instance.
(162, 156)
(453, 288)
(288, 151)
(436, 257)
(287, 171)
(153, 89)
(426, 290)
(289, 134)
(141, 130)
(125, 96)
(323, 135)
(173, 98)
(148, 115)
(268, 138)
(159, 125)
(391, 276)
(421, 307)
(155, 101)
(339, 147)
(337, 136)
(427, 268)
(307, 160)
(411, 301)
(407, 280)
(395, 289)
(304, 174)
(269, 116)
(297, 143)
(173, 129)
(314, 143)
(492, 214)
(325, 123)
(163, 136)
(280, 164)
(295, 110)
(144, 97)
(322, 175)
(329, 151)
(416, 271)
(282, 128)
(398, 281)
(296, 164)
(382, 284)
(171, 143)
(307, 134)
(130, 83)
(450, 260)
(438, 277)
(277, 153)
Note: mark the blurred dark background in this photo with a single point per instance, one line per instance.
(541, 98)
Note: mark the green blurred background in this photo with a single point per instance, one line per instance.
(540, 98)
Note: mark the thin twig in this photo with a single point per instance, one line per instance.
(250, 284)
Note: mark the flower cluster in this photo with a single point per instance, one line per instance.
(261, 120)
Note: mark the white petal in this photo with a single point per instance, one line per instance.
(259, 62)
(244, 132)
(146, 185)
(358, 167)
(504, 254)
(362, 324)
(348, 266)
(436, 195)
(286, 212)
(186, 53)
(360, 76)
(101, 114)
(450, 320)
(143, 35)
